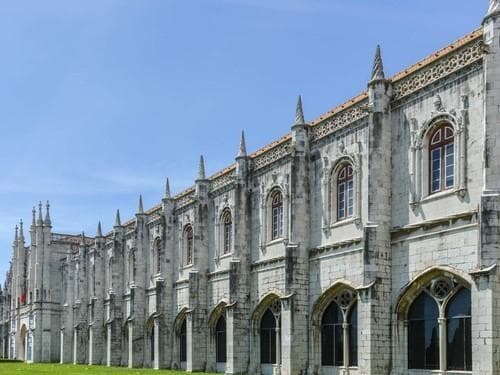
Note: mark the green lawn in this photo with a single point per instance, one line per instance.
(7, 368)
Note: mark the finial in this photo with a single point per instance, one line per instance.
(33, 212)
(299, 113)
(40, 220)
(494, 6)
(243, 147)
(201, 169)
(99, 230)
(141, 208)
(82, 238)
(47, 215)
(167, 190)
(118, 222)
(21, 232)
(378, 66)
(16, 237)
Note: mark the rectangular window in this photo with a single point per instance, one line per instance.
(436, 170)
(449, 157)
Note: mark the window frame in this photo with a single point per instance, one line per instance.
(226, 232)
(344, 179)
(441, 145)
(277, 214)
(188, 245)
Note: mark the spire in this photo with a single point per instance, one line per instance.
(167, 190)
(494, 6)
(99, 230)
(141, 207)
(33, 212)
(47, 215)
(16, 236)
(201, 169)
(40, 220)
(21, 232)
(82, 239)
(299, 113)
(118, 222)
(378, 66)
(243, 147)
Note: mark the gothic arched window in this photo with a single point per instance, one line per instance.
(424, 340)
(345, 192)
(157, 256)
(276, 215)
(423, 334)
(268, 347)
(220, 340)
(339, 332)
(458, 332)
(441, 159)
(188, 244)
(227, 231)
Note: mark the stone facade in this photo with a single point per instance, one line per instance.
(282, 231)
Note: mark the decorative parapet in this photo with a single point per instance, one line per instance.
(270, 155)
(441, 64)
(341, 118)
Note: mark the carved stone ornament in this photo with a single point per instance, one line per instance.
(438, 104)
(440, 288)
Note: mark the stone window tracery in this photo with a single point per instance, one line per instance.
(439, 327)
(339, 331)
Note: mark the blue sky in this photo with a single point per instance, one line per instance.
(101, 100)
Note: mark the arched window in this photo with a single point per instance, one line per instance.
(345, 192)
(188, 244)
(227, 231)
(220, 340)
(424, 339)
(157, 256)
(423, 334)
(441, 159)
(339, 331)
(458, 332)
(268, 347)
(183, 342)
(276, 215)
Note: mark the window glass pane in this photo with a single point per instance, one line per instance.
(220, 337)
(268, 338)
(341, 201)
(436, 170)
(350, 198)
(352, 320)
(423, 334)
(332, 338)
(449, 160)
(458, 332)
(182, 342)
